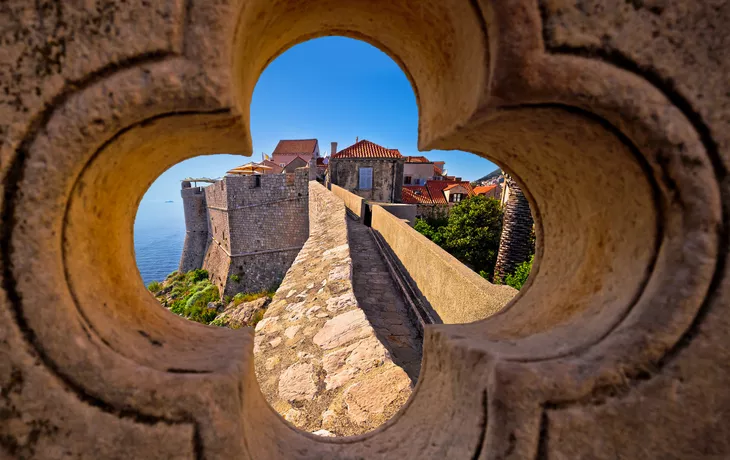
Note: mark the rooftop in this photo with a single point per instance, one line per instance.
(416, 194)
(295, 146)
(436, 189)
(417, 159)
(367, 149)
(482, 189)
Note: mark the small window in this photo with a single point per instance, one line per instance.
(455, 197)
(366, 179)
(407, 180)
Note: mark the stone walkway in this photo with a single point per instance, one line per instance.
(335, 353)
(381, 301)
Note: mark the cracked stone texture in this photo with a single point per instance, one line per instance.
(336, 349)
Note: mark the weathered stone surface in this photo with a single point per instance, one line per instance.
(343, 329)
(298, 383)
(316, 330)
(369, 401)
(235, 316)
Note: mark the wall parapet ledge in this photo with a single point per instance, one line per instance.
(353, 202)
(455, 293)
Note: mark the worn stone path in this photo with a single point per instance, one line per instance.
(335, 352)
(381, 301)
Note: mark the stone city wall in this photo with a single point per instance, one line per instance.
(318, 359)
(259, 223)
(196, 227)
(353, 202)
(455, 293)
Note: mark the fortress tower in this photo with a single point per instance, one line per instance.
(246, 230)
(196, 227)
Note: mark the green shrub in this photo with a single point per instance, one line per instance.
(251, 296)
(220, 322)
(519, 277)
(201, 298)
(190, 295)
(178, 307)
(154, 287)
(194, 276)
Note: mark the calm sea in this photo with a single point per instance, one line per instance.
(159, 233)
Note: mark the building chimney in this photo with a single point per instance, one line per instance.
(333, 149)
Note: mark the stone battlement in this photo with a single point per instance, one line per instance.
(246, 230)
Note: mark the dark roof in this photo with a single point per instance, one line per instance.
(295, 146)
(416, 194)
(367, 149)
(436, 189)
(417, 159)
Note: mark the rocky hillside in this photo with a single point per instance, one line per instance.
(192, 296)
(496, 173)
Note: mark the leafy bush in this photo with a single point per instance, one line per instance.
(189, 295)
(194, 276)
(251, 296)
(519, 277)
(201, 298)
(178, 307)
(154, 287)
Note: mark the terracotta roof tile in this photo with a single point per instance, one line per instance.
(367, 149)
(295, 146)
(417, 159)
(484, 189)
(416, 194)
(436, 189)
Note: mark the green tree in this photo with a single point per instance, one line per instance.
(519, 277)
(471, 233)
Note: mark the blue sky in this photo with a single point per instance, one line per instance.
(331, 89)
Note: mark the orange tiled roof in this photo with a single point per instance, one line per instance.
(453, 185)
(436, 189)
(416, 194)
(484, 189)
(295, 146)
(367, 149)
(417, 159)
